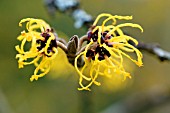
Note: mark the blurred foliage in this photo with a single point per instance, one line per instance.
(60, 95)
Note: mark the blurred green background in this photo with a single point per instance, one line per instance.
(57, 92)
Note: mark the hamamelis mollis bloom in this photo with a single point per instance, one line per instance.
(43, 48)
(107, 45)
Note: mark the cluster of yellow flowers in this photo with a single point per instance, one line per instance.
(43, 46)
(103, 55)
(105, 51)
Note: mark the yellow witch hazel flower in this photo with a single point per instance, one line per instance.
(43, 46)
(105, 51)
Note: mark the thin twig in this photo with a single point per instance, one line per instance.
(81, 41)
(62, 46)
(81, 50)
(154, 49)
(62, 41)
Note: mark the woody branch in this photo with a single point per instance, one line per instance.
(83, 19)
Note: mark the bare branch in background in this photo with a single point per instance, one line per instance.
(82, 18)
(71, 7)
(154, 49)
